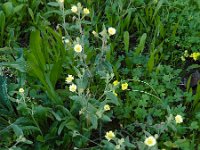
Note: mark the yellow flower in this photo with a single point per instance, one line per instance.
(69, 79)
(21, 90)
(150, 141)
(124, 86)
(115, 93)
(111, 31)
(86, 11)
(73, 88)
(179, 119)
(78, 48)
(74, 9)
(106, 107)
(109, 135)
(115, 83)
(195, 55)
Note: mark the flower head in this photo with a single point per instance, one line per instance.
(21, 90)
(195, 55)
(179, 119)
(74, 9)
(78, 48)
(69, 79)
(86, 11)
(66, 41)
(73, 88)
(94, 33)
(116, 82)
(109, 135)
(150, 141)
(124, 86)
(106, 107)
(111, 31)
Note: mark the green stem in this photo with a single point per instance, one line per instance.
(147, 94)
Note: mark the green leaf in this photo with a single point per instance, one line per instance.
(18, 131)
(141, 45)
(55, 72)
(3, 93)
(170, 144)
(31, 13)
(18, 65)
(126, 41)
(28, 142)
(93, 119)
(40, 138)
(159, 5)
(8, 8)
(112, 98)
(56, 116)
(194, 125)
(54, 4)
(150, 63)
(35, 47)
(2, 26)
(106, 118)
(72, 125)
(61, 127)
(18, 8)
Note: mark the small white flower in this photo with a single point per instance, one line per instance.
(78, 48)
(73, 88)
(150, 141)
(86, 11)
(178, 119)
(156, 136)
(107, 107)
(74, 9)
(21, 90)
(66, 41)
(109, 135)
(69, 79)
(111, 31)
